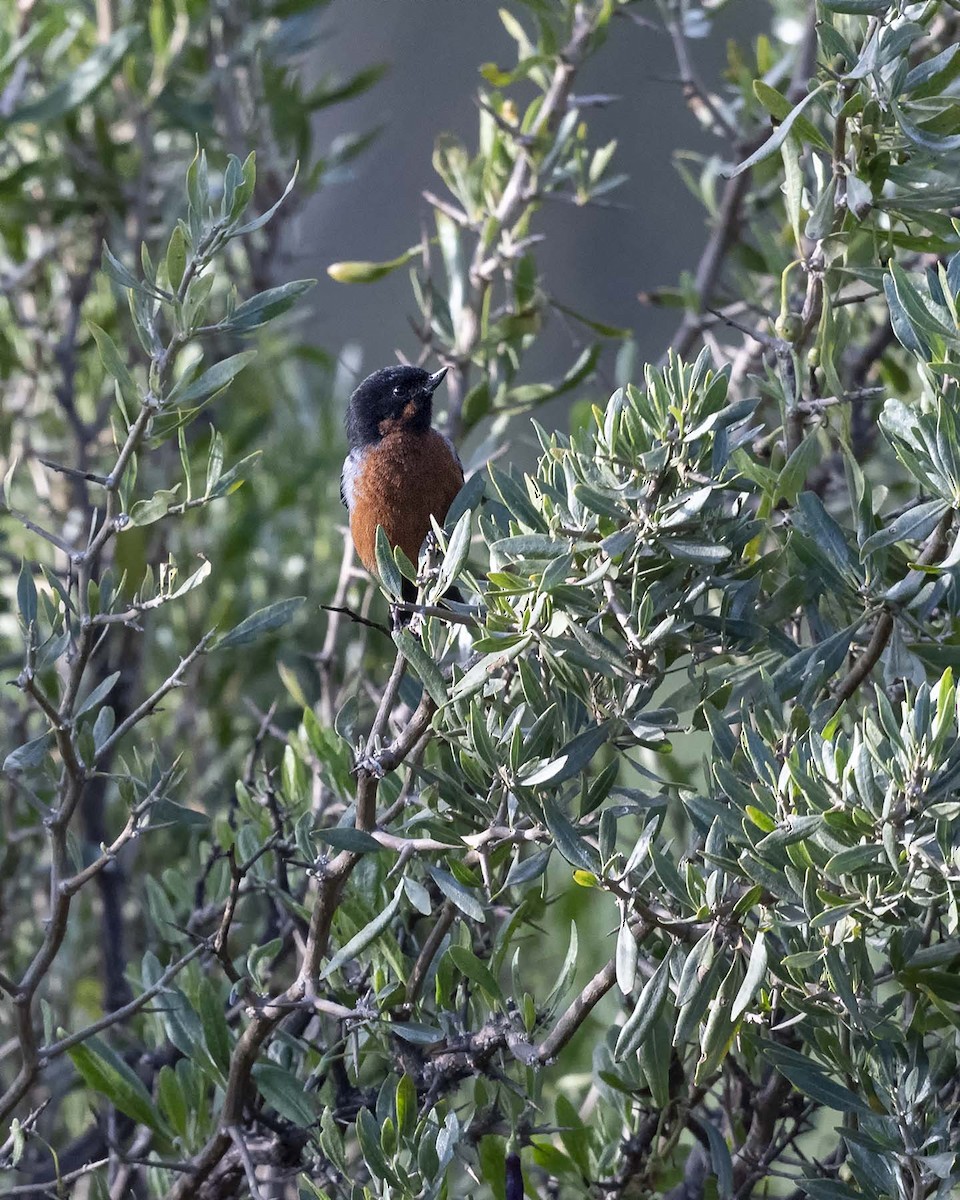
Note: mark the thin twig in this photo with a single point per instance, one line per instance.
(55, 1049)
(249, 1169)
(56, 1184)
(471, 620)
(698, 99)
(356, 617)
(148, 705)
(885, 622)
(428, 951)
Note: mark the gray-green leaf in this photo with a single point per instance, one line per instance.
(265, 620)
(82, 82)
(647, 1009)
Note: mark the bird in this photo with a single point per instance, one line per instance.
(399, 471)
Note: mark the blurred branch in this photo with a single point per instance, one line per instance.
(711, 262)
(516, 195)
(703, 106)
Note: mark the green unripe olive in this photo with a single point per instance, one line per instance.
(789, 326)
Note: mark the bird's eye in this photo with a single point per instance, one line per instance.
(396, 390)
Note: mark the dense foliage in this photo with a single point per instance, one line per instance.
(637, 876)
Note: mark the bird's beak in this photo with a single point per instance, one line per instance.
(434, 381)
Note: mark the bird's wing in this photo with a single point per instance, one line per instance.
(348, 478)
(453, 451)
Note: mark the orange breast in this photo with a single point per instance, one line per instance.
(404, 480)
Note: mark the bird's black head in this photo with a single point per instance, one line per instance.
(390, 399)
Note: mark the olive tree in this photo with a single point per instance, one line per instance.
(635, 876)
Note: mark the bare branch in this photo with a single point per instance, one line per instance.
(584, 1004)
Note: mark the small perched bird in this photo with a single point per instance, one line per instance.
(400, 471)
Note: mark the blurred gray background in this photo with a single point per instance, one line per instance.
(595, 260)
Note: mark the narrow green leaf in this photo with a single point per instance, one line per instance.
(164, 811)
(529, 545)
(234, 478)
(607, 505)
(719, 1157)
(695, 967)
(720, 1029)
(115, 366)
(265, 620)
(369, 933)
(626, 958)
(100, 692)
(655, 1056)
(488, 667)
(852, 860)
(568, 841)
(794, 829)
(387, 570)
(260, 309)
(525, 870)
(914, 525)
(82, 82)
(574, 1134)
(903, 327)
(812, 1079)
(828, 535)
(706, 553)
(26, 594)
(172, 1100)
(934, 142)
(145, 512)
(829, 1189)
(368, 1135)
(108, 1075)
(778, 106)
(476, 971)
(756, 969)
(572, 759)
(283, 1091)
(820, 221)
(647, 1009)
(405, 1104)
(417, 1033)
(919, 306)
(176, 258)
(925, 73)
(691, 1013)
(857, 7)
(192, 581)
(114, 268)
(344, 837)
(259, 222)
(458, 547)
(568, 970)
(776, 139)
(455, 891)
(30, 754)
(213, 380)
(427, 670)
(180, 1017)
(213, 1019)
